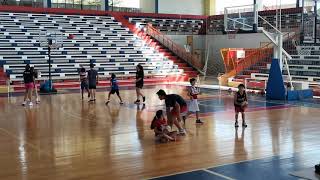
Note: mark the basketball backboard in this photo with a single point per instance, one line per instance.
(241, 18)
(54, 39)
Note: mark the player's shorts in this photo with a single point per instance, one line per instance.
(183, 111)
(115, 91)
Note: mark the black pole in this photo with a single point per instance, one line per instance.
(255, 25)
(297, 3)
(302, 24)
(315, 22)
(49, 55)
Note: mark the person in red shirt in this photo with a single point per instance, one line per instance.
(161, 129)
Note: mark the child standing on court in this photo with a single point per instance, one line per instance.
(161, 128)
(35, 76)
(240, 104)
(193, 92)
(84, 81)
(114, 88)
(93, 81)
(28, 80)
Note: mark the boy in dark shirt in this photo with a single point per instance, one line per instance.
(93, 80)
(175, 108)
(114, 88)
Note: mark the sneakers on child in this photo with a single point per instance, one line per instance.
(137, 101)
(30, 104)
(199, 121)
(107, 102)
(37, 101)
(236, 124)
(24, 103)
(121, 103)
(244, 125)
(144, 99)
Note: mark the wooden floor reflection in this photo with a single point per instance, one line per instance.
(66, 138)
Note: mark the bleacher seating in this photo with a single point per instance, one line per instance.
(303, 67)
(170, 26)
(97, 39)
(291, 20)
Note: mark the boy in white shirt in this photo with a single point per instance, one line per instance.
(193, 92)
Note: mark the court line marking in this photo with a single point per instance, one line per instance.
(218, 174)
(186, 172)
(34, 147)
(227, 164)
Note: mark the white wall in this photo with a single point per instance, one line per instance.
(213, 43)
(192, 7)
(147, 6)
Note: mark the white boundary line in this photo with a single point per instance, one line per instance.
(226, 164)
(217, 174)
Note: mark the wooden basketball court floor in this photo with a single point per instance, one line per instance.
(66, 138)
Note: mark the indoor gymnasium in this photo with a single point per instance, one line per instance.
(159, 89)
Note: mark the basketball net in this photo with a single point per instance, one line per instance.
(187, 48)
(54, 46)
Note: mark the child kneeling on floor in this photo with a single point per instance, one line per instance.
(161, 128)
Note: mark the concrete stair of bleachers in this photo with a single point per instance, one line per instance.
(303, 68)
(96, 39)
(167, 53)
(291, 20)
(170, 26)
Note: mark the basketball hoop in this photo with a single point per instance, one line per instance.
(54, 46)
(51, 40)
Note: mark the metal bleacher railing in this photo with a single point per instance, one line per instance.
(175, 48)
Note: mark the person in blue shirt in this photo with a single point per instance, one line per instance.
(114, 88)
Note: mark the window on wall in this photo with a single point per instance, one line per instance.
(91, 4)
(31, 3)
(220, 5)
(77, 4)
(124, 5)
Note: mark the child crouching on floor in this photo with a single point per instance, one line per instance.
(161, 128)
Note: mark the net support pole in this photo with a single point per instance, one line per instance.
(49, 57)
(225, 19)
(302, 24)
(280, 41)
(315, 21)
(255, 11)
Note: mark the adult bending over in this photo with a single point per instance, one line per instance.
(176, 108)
